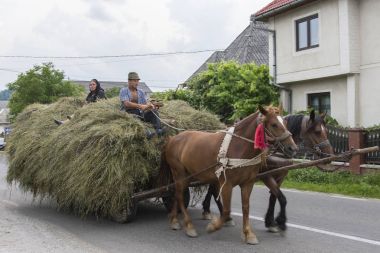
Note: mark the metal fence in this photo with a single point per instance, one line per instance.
(338, 138)
(373, 139)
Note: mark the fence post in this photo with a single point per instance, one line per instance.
(356, 139)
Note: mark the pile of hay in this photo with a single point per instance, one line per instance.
(96, 161)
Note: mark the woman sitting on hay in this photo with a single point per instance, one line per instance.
(96, 93)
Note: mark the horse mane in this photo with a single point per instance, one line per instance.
(269, 108)
(294, 123)
(247, 119)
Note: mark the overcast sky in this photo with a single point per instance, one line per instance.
(118, 27)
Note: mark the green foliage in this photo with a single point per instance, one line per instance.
(112, 92)
(5, 94)
(41, 84)
(232, 90)
(342, 182)
(182, 94)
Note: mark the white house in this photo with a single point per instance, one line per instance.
(326, 54)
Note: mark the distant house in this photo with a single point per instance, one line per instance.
(327, 56)
(250, 46)
(111, 84)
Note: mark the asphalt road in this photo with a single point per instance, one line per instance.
(317, 223)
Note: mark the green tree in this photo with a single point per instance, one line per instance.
(5, 94)
(112, 92)
(232, 90)
(41, 84)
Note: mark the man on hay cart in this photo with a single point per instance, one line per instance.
(134, 101)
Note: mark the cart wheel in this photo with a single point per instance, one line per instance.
(168, 200)
(125, 215)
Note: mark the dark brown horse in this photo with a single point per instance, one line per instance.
(193, 155)
(310, 134)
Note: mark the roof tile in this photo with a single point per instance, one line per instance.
(273, 5)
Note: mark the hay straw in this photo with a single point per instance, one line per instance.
(95, 162)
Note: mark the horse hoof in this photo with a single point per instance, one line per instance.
(252, 240)
(273, 229)
(210, 228)
(282, 227)
(206, 216)
(175, 226)
(191, 233)
(230, 223)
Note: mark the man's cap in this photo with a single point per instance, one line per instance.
(133, 76)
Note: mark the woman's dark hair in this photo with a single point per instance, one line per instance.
(97, 85)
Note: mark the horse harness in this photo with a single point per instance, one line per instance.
(316, 148)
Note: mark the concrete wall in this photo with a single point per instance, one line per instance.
(346, 63)
(369, 97)
(370, 32)
(369, 87)
(338, 94)
(311, 63)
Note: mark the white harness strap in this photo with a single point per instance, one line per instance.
(222, 155)
(228, 163)
(232, 163)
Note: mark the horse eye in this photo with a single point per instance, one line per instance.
(274, 125)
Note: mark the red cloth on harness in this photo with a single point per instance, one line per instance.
(260, 137)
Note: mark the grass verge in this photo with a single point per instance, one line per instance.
(342, 182)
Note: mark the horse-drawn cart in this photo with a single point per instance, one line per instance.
(166, 193)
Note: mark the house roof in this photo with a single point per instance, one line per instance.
(278, 6)
(111, 84)
(250, 46)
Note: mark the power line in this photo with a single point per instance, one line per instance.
(10, 70)
(108, 56)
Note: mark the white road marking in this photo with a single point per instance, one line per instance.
(333, 195)
(1, 111)
(8, 202)
(316, 230)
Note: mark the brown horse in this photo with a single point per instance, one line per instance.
(193, 155)
(310, 134)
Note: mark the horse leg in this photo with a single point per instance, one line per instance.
(274, 186)
(173, 219)
(269, 216)
(216, 224)
(215, 192)
(248, 235)
(189, 227)
(206, 214)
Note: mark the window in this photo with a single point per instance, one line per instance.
(320, 102)
(307, 34)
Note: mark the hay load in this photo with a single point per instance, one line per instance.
(96, 161)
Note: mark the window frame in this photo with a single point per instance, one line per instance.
(308, 31)
(319, 95)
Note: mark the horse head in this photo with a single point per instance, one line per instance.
(314, 134)
(276, 131)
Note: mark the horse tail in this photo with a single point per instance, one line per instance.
(165, 176)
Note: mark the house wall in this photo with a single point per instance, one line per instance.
(318, 62)
(369, 111)
(346, 63)
(338, 93)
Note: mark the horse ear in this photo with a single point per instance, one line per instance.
(312, 115)
(262, 110)
(281, 109)
(323, 115)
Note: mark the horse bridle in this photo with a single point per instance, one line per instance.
(315, 148)
(276, 140)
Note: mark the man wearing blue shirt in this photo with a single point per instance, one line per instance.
(133, 101)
